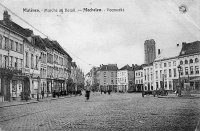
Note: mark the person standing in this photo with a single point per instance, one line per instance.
(87, 95)
(42, 92)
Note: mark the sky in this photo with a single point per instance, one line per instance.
(94, 38)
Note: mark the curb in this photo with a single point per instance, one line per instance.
(40, 100)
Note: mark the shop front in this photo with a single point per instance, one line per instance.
(11, 84)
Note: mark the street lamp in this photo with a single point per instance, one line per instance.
(179, 82)
(38, 78)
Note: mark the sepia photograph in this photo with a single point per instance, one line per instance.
(99, 65)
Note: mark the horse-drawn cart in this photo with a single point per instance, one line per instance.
(155, 93)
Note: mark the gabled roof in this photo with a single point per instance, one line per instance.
(109, 67)
(138, 67)
(126, 67)
(59, 48)
(190, 48)
(16, 28)
(168, 53)
(38, 42)
(47, 43)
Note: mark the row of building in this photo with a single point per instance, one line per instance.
(159, 70)
(30, 64)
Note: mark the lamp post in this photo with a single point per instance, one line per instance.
(38, 78)
(179, 82)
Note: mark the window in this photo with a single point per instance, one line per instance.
(141, 74)
(36, 62)
(174, 63)
(11, 61)
(165, 64)
(165, 84)
(141, 81)
(169, 63)
(191, 70)
(55, 59)
(170, 73)
(186, 70)
(181, 71)
(196, 60)
(191, 61)
(16, 43)
(156, 74)
(145, 71)
(145, 77)
(160, 65)
(11, 45)
(16, 62)
(112, 82)
(197, 69)
(6, 61)
(186, 62)
(6, 43)
(148, 77)
(181, 62)
(20, 48)
(160, 74)
(151, 76)
(32, 61)
(27, 61)
(1, 39)
(170, 85)
(165, 73)
(21, 63)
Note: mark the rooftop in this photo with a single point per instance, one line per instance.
(190, 48)
(170, 52)
(127, 67)
(109, 67)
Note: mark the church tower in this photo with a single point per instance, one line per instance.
(149, 51)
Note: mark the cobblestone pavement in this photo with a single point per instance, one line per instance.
(104, 112)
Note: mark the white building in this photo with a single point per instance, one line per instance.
(125, 78)
(165, 67)
(12, 40)
(139, 79)
(148, 76)
(189, 61)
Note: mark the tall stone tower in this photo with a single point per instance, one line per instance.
(149, 51)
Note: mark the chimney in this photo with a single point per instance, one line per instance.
(6, 16)
(158, 51)
(177, 45)
(133, 66)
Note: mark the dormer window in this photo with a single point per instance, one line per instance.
(191, 61)
(186, 62)
(196, 60)
(181, 62)
(182, 52)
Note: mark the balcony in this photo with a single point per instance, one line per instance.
(10, 70)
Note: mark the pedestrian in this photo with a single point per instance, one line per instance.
(87, 95)
(42, 92)
(176, 92)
